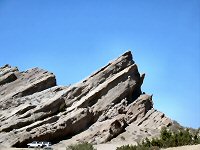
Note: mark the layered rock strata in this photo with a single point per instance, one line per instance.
(102, 108)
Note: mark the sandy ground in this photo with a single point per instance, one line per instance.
(111, 147)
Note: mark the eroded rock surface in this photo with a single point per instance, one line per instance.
(108, 106)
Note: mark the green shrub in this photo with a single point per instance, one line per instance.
(156, 142)
(127, 147)
(138, 147)
(81, 146)
(167, 138)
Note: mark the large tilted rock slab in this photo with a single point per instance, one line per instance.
(98, 109)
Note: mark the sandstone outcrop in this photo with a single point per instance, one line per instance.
(102, 108)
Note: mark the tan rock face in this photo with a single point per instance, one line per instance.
(100, 109)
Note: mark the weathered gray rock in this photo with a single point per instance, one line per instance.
(7, 69)
(99, 109)
(27, 83)
(8, 74)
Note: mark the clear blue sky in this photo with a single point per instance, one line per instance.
(73, 38)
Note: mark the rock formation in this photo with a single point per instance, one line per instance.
(105, 107)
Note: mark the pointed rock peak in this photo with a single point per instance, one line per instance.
(127, 53)
(126, 56)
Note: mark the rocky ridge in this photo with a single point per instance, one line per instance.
(105, 107)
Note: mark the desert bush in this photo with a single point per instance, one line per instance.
(81, 146)
(138, 147)
(167, 138)
(155, 142)
(127, 147)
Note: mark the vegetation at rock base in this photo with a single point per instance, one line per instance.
(81, 146)
(138, 147)
(168, 138)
